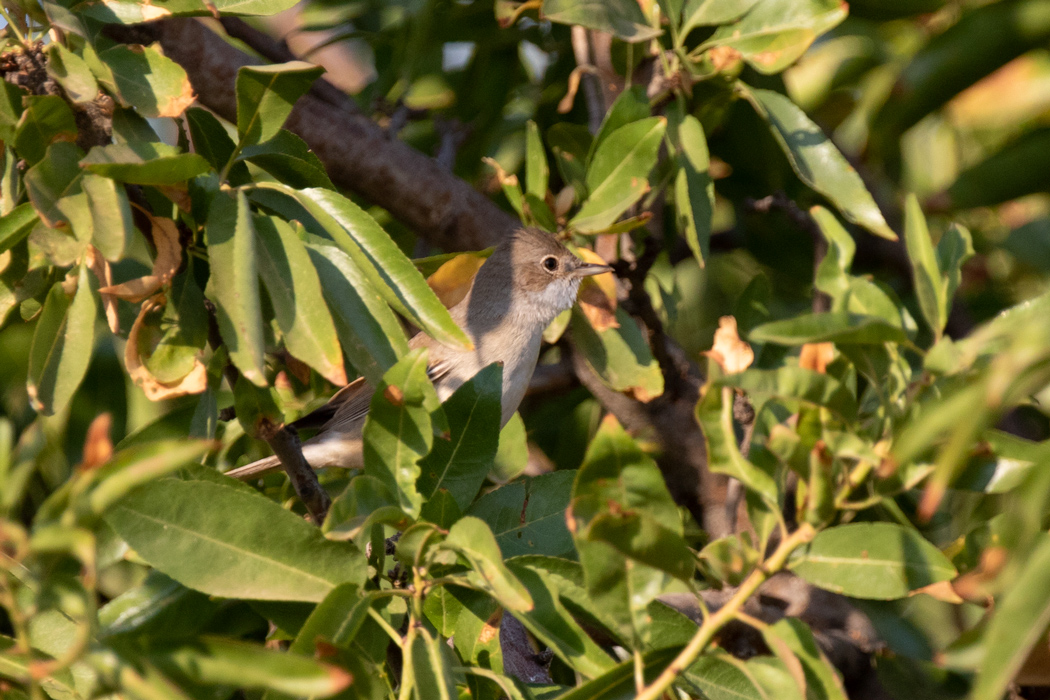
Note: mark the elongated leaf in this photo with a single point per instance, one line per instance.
(130, 12)
(536, 171)
(336, 619)
(71, 72)
(620, 356)
(528, 517)
(234, 283)
(431, 671)
(379, 258)
(817, 161)
(398, 433)
(290, 160)
(266, 95)
(798, 384)
(295, 292)
(46, 119)
(618, 682)
(618, 172)
(160, 607)
(835, 326)
(820, 675)
(871, 560)
(16, 225)
(694, 190)
(63, 343)
(621, 18)
(699, 13)
(714, 412)
(472, 539)
(1020, 619)
(213, 660)
(550, 622)
(925, 271)
(55, 181)
(459, 465)
(150, 82)
(144, 163)
(185, 530)
(369, 332)
(213, 143)
(112, 227)
(775, 33)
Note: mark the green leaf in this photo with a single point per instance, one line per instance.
(832, 276)
(212, 142)
(184, 529)
(46, 119)
(472, 539)
(817, 161)
(714, 413)
(212, 660)
(53, 179)
(835, 326)
(536, 172)
(881, 561)
(618, 683)
(160, 607)
(821, 677)
(441, 509)
(694, 190)
(131, 12)
(528, 517)
(397, 432)
(366, 500)
(183, 330)
(550, 622)
(145, 79)
(72, 73)
(618, 172)
(112, 227)
(431, 671)
(719, 676)
(378, 257)
(290, 160)
(512, 456)
(369, 332)
(775, 33)
(16, 225)
(63, 344)
(621, 18)
(701, 13)
(926, 272)
(460, 463)
(294, 289)
(233, 285)
(794, 383)
(336, 619)
(1019, 620)
(620, 356)
(266, 95)
(11, 108)
(144, 163)
(257, 407)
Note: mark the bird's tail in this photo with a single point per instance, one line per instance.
(255, 469)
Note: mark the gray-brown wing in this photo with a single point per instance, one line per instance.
(346, 405)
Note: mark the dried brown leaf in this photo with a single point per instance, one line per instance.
(816, 356)
(100, 267)
(730, 352)
(169, 258)
(98, 448)
(194, 382)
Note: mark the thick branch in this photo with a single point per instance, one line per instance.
(358, 155)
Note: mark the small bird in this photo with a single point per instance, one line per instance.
(528, 280)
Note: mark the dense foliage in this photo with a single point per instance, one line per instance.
(862, 189)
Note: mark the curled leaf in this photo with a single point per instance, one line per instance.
(452, 280)
(102, 271)
(193, 382)
(730, 352)
(169, 257)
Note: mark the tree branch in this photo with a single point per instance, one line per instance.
(358, 154)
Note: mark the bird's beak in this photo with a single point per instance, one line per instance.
(586, 269)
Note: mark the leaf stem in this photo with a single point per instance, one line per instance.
(391, 632)
(718, 619)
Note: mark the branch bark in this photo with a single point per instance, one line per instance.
(358, 154)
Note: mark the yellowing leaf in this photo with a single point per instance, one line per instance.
(452, 280)
(730, 352)
(169, 257)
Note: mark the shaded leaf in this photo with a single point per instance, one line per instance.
(472, 539)
(528, 517)
(835, 326)
(45, 120)
(266, 95)
(169, 257)
(63, 343)
(620, 356)
(871, 560)
(144, 163)
(817, 161)
(184, 529)
(290, 160)
(621, 18)
(150, 82)
(694, 190)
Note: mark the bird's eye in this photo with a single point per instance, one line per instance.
(550, 263)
